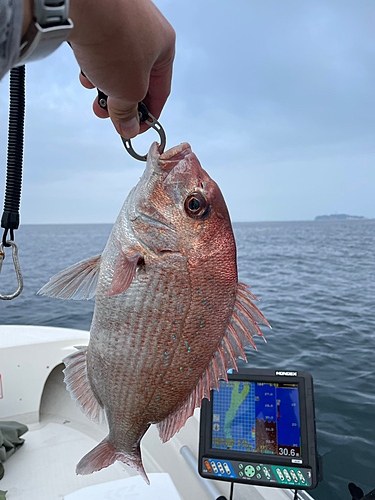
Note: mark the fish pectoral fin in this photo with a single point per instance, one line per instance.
(123, 275)
(78, 384)
(77, 282)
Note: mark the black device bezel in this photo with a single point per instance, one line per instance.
(308, 453)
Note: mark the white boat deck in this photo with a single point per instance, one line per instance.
(44, 467)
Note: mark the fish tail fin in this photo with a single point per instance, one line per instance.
(105, 454)
(134, 460)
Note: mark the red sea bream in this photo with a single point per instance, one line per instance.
(170, 315)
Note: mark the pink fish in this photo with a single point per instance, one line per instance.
(170, 315)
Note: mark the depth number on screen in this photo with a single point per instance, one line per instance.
(286, 452)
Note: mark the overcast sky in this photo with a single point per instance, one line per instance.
(275, 98)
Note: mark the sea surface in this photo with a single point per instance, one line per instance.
(316, 282)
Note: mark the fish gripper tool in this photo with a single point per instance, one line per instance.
(144, 117)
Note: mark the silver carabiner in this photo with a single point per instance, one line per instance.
(153, 123)
(16, 267)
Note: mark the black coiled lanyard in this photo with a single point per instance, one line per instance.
(10, 219)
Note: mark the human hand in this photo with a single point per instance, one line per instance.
(126, 49)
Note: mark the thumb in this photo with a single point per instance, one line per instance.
(124, 116)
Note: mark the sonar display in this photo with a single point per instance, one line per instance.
(257, 417)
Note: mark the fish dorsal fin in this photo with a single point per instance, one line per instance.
(77, 383)
(77, 282)
(124, 272)
(238, 335)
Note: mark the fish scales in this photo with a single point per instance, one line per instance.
(170, 316)
(142, 335)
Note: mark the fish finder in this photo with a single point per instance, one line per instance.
(259, 428)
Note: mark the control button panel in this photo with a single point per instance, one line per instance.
(257, 473)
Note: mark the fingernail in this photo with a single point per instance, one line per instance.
(130, 128)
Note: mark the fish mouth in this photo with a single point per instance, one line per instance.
(169, 159)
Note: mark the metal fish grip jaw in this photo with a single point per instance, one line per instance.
(144, 117)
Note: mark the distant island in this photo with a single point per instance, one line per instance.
(339, 217)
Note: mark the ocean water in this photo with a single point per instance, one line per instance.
(316, 282)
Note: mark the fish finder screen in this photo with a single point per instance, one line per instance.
(257, 417)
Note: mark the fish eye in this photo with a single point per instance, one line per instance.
(196, 204)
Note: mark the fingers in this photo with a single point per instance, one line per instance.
(99, 112)
(157, 95)
(124, 117)
(127, 67)
(85, 81)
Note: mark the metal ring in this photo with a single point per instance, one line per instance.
(153, 123)
(16, 267)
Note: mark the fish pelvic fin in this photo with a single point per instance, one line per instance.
(105, 454)
(78, 384)
(242, 325)
(77, 282)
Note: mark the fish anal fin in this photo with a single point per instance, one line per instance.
(78, 385)
(124, 272)
(77, 282)
(105, 454)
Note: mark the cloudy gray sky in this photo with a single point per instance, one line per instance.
(276, 99)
